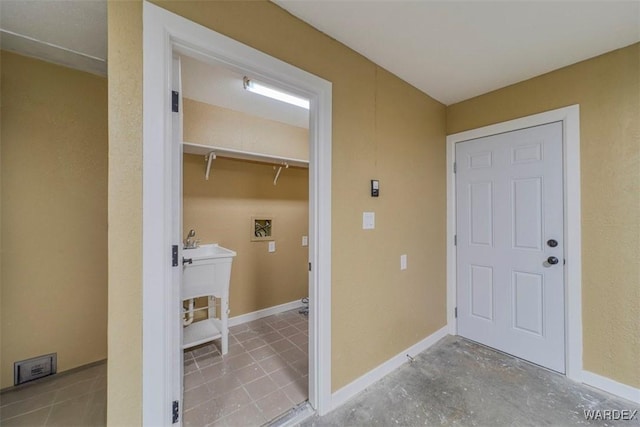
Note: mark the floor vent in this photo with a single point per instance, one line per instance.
(34, 368)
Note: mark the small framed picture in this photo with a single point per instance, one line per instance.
(261, 228)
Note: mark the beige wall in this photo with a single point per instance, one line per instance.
(54, 214)
(124, 391)
(608, 91)
(220, 211)
(207, 124)
(382, 128)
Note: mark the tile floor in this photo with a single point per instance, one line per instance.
(264, 374)
(78, 398)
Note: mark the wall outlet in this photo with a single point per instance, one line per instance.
(403, 262)
(305, 241)
(272, 246)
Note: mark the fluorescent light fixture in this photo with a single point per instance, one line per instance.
(264, 90)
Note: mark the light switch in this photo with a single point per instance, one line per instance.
(403, 262)
(272, 246)
(368, 220)
(305, 241)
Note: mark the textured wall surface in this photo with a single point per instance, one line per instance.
(207, 124)
(54, 214)
(220, 210)
(608, 90)
(124, 392)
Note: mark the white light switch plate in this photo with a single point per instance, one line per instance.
(305, 241)
(272, 246)
(368, 220)
(403, 262)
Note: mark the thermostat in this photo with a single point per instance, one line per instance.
(375, 188)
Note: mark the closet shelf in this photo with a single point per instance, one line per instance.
(191, 148)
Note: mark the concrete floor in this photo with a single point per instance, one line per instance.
(460, 383)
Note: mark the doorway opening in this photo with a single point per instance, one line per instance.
(245, 188)
(166, 35)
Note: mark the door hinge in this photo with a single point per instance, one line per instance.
(175, 411)
(455, 312)
(174, 255)
(175, 101)
(455, 240)
(455, 167)
(309, 266)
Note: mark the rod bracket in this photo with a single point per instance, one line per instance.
(209, 158)
(285, 165)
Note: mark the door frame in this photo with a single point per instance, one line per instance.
(164, 33)
(570, 118)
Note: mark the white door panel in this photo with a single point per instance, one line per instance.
(481, 215)
(509, 204)
(481, 286)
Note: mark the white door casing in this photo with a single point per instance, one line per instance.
(165, 33)
(510, 249)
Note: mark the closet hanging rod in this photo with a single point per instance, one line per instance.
(191, 148)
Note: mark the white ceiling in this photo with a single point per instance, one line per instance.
(217, 85)
(71, 32)
(451, 50)
(455, 50)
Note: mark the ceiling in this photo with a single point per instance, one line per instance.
(451, 50)
(217, 85)
(71, 33)
(455, 50)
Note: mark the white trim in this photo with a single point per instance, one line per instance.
(269, 311)
(611, 386)
(157, 389)
(451, 232)
(164, 33)
(570, 116)
(341, 396)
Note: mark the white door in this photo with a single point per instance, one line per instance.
(176, 234)
(510, 228)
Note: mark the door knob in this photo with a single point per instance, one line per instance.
(187, 261)
(552, 260)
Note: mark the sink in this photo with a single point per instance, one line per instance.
(209, 251)
(208, 275)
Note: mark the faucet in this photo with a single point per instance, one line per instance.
(190, 242)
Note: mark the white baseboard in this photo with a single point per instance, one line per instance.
(350, 390)
(611, 386)
(255, 315)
